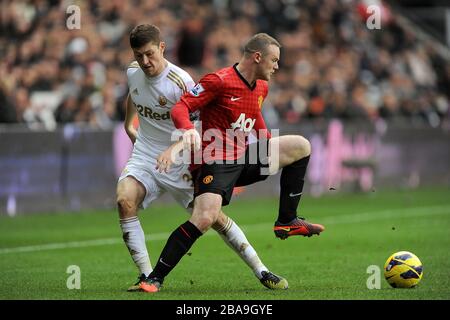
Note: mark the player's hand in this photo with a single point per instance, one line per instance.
(191, 140)
(164, 161)
(132, 134)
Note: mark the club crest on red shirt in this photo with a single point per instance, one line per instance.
(260, 101)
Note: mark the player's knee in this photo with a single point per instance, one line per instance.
(205, 220)
(126, 206)
(207, 208)
(303, 147)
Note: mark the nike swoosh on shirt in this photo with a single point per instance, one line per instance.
(235, 98)
(295, 194)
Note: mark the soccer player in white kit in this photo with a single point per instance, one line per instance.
(155, 85)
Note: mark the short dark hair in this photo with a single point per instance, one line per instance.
(259, 42)
(143, 34)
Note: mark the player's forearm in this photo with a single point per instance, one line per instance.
(129, 114)
(180, 116)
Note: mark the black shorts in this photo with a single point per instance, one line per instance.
(221, 178)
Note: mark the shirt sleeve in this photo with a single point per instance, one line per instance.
(203, 93)
(131, 69)
(190, 83)
(197, 98)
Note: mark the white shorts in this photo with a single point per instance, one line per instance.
(178, 181)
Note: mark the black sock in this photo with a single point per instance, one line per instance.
(291, 183)
(178, 244)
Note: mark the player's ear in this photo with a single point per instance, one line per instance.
(257, 56)
(162, 46)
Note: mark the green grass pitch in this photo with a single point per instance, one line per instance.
(361, 230)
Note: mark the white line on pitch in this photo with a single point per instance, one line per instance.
(331, 220)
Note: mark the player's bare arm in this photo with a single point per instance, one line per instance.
(129, 116)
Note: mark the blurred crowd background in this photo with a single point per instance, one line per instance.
(332, 65)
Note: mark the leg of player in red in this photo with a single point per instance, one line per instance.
(292, 155)
(294, 152)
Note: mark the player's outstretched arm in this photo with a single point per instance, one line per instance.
(129, 116)
(180, 117)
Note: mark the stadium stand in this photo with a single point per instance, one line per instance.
(332, 65)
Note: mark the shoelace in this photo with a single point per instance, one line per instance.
(302, 222)
(140, 279)
(271, 277)
(157, 282)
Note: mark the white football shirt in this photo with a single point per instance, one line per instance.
(154, 98)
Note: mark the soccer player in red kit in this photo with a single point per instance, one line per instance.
(230, 102)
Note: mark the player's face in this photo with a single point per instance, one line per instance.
(269, 62)
(150, 58)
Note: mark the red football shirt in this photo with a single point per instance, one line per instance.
(229, 110)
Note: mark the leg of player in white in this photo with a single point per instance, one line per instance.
(235, 238)
(130, 194)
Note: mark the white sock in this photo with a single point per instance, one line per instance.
(235, 238)
(134, 238)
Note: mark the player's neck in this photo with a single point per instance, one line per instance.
(247, 72)
(161, 69)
